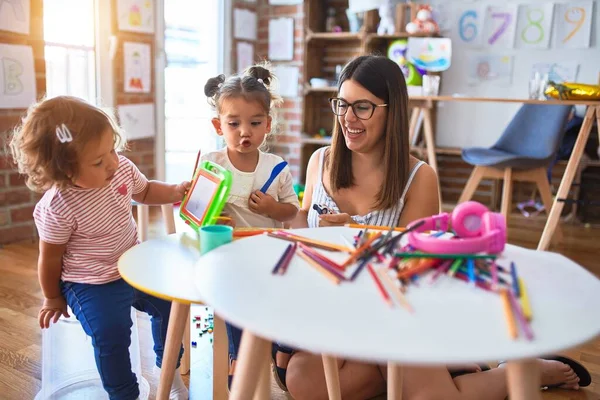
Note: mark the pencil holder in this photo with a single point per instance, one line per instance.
(213, 236)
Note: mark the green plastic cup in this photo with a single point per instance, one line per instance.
(213, 236)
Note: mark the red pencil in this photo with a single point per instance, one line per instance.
(382, 291)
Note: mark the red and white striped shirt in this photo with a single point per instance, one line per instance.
(96, 224)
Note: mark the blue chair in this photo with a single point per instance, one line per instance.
(527, 146)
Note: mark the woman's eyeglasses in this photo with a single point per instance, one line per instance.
(363, 109)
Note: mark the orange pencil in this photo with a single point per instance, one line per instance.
(358, 252)
(374, 227)
(380, 288)
(508, 314)
(316, 266)
(311, 242)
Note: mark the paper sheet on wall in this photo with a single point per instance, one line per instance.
(281, 39)
(430, 54)
(534, 26)
(564, 71)
(442, 14)
(137, 120)
(287, 80)
(573, 24)
(244, 24)
(136, 15)
(490, 68)
(17, 78)
(469, 25)
(15, 16)
(137, 77)
(244, 55)
(500, 26)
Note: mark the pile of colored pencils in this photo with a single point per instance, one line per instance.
(393, 268)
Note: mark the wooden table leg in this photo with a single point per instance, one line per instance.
(143, 217)
(179, 315)
(567, 179)
(252, 363)
(185, 360)
(332, 377)
(429, 139)
(524, 380)
(394, 382)
(220, 359)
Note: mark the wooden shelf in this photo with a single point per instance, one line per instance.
(333, 36)
(306, 139)
(401, 35)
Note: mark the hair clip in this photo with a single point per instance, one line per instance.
(261, 81)
(220, 85)
(63, 134)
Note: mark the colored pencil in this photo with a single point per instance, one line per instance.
(384, 294)
(325, 263)
(494, 268)
(245, 232)
(443, 256)
(471, 268)
(282, 259)
(418, 269)
(525, 300)
(358, 269)
(314, 243)
(508, 314)
(322, 258)
(361, 250)
(465, 278)
(520, 317)
(288, 260)
(318, 267)
(348, 243)
(394, 289)
(375, 227)
(515, 279)
(441, 269)
(455, 266)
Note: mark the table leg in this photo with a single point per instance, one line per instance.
(251, 367)
(220, 359)
(179, 315)
(524, 380)
(429, 139)
(143, 217)
(332, 377)
(185, 360)
(567, 179)
(394, 382)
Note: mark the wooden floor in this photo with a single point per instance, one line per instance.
(20, 298)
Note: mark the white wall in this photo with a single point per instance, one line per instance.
(481, 124)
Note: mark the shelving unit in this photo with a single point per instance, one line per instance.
(323, 51)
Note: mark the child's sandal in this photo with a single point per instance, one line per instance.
(230, 373)
(279, 372)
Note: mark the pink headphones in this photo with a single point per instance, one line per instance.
(477, 229)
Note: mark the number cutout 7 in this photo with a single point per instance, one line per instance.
(507, 18)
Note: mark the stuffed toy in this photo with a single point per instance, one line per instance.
(423, 22)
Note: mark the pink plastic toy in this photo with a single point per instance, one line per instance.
(477, 231)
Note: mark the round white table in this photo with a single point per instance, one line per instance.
(164, 268)
(452, 323)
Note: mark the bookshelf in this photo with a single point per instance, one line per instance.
(323, 51)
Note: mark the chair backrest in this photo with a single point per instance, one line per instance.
(535, 131)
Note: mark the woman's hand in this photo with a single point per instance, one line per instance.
(340, 219)
(52, 310)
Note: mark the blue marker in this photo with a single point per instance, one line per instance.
(276, 171)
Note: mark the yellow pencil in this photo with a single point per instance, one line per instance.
(508, 314)
(375, 227)
(525, 304)
(316, 266)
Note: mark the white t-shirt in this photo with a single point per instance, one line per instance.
(245, 183)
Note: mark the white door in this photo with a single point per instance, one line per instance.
(194, 51)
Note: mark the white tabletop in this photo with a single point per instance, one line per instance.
(453, 322)
(163, 267)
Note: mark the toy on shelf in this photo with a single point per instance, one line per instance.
(397, 52)
(423, 22)
(386, 17)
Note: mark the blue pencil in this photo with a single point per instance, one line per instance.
(471, 266)
(515, 279)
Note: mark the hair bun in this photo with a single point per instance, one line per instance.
(260, 73)
(213, 84)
